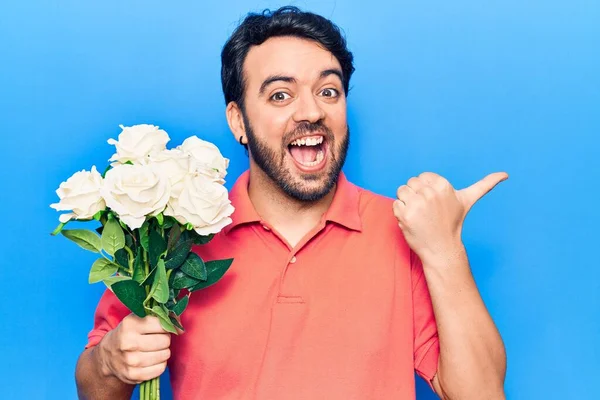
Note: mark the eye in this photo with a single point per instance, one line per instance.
(280, 96)
(330, 92)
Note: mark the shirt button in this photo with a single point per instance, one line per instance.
(293, 260)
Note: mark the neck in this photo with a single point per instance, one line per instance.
(290, 217)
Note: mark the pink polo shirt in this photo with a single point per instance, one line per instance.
(345, 314)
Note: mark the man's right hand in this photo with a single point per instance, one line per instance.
(135, 351)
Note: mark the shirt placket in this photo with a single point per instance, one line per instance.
(288, 316)
(288, 291)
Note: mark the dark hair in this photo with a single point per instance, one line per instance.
(286, 21)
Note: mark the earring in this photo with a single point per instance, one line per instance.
(240, 140)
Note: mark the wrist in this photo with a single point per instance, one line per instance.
(99, 352)
(447, 258)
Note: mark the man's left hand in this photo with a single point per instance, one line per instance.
(431, 213)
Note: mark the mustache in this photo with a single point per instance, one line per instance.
(306, 128)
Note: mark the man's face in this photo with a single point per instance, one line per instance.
(295, 115)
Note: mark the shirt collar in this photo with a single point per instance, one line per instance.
(344, 208)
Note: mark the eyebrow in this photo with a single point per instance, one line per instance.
(274, 78)
(332, 71)
(283, 78)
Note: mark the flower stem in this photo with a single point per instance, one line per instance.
(151, 388)
(58, 229)
(146, 264)
(131, 259)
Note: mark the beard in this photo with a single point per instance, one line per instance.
(272, 161)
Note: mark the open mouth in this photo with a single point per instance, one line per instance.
(309, 152)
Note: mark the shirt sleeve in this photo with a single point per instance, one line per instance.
(109, 313)
(426, 342)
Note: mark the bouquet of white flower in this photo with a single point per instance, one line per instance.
(153, 205)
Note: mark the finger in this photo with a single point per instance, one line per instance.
(148, 359)
(140, 359)
(434, 180)
(154, 342)
(405, 191)
(139, 375)
(415, 184)
(479, 189)
(149, 325)
(405, 194)
(398, 207)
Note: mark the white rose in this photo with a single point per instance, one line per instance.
(137, 143)
(203, 203)
(206, 158)
(134, 192)
(81, 195)
(174, 165)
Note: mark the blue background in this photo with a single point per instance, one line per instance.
(462, 88)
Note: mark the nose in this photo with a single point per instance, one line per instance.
(308, 109)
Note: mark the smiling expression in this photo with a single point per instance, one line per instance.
(295, 115)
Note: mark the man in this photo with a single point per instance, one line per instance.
(335, 292)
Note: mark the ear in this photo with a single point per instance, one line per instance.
(236, 121)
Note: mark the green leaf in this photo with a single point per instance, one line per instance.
(157, 247)
(102, 269)
(113, 237)
(160, 219)
(114, 279)
(139, 274)
(106, 170)
(179, 308)
(149, 279)
(132, 295)
(182, 280)
(189, 226)
(98, 215)
(173, 294)
(144, 240)
(169, 222)
(129, 242)
(160, 287)
(216, 269)
(195, 267)
(84, 238)
(176, 323)
(200, 239)
(178, 255)
(163, 317)
(174, 235)
(122, 258)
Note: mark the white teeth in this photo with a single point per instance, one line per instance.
(318, 159)
(309, 141)
(319, 156)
